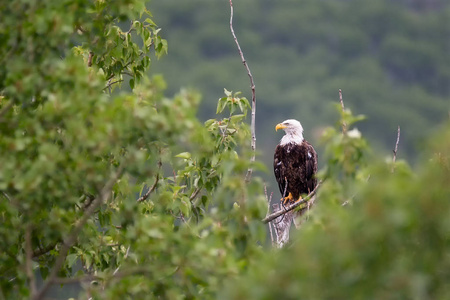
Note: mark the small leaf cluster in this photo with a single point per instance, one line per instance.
(36, 37)
(345, 147)
(229, 132)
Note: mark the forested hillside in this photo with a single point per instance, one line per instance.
(390, 58)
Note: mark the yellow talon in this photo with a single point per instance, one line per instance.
(287, 199)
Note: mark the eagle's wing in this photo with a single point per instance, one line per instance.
(311, 167)
(279, 169)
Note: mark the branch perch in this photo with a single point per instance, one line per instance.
(248, 176)
(290, 207)
(282, 225)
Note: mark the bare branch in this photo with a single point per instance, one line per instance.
(59, 280)
(143, 198)
(73, 235)
(344, 125)
(340, 99)
(396, 145)
(150, 190)
(125, 257)
(194, 194)
(89, 199)
(269, 200)
(131, 28)
(90, 57)
(282, 226)
(116, 275)
(224, 132)
(248, 176)
(290, 207)
(112, 83)
(6, 196)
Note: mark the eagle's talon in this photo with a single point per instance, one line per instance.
(287, 200)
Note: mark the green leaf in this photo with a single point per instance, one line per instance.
(185, 155)
(221, 105)
(237, 118)
(150, 21)
(71, 259)
(185, 207)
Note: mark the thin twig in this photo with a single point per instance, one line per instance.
(112, 83)
(340, 99)
(248, 176)
(395, 149)
(116, 275)
(89, 200)
(283, 197)
(224, 132)
(59, 280)
(285, 188)
(194, 194)
(6, 196)
(396, 145)
(292, 206)
(90, 57)
(110, 77)
(269, 200)
(125, 257)
(344, 125)
(73, 235)
(140, 199)
(131, 28)
(29, 261)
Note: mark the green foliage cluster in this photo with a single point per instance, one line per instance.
(380, 231)
(75, 158)
(389, 57)
(130, 196)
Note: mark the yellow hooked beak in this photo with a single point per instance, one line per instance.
(280, 126)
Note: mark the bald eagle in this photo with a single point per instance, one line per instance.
(295, 163)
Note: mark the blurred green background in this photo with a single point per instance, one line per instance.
(390, 58)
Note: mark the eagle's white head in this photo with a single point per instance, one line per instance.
(294, 132)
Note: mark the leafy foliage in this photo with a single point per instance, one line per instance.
(389, 240)
(131, 196)
(75, 159)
